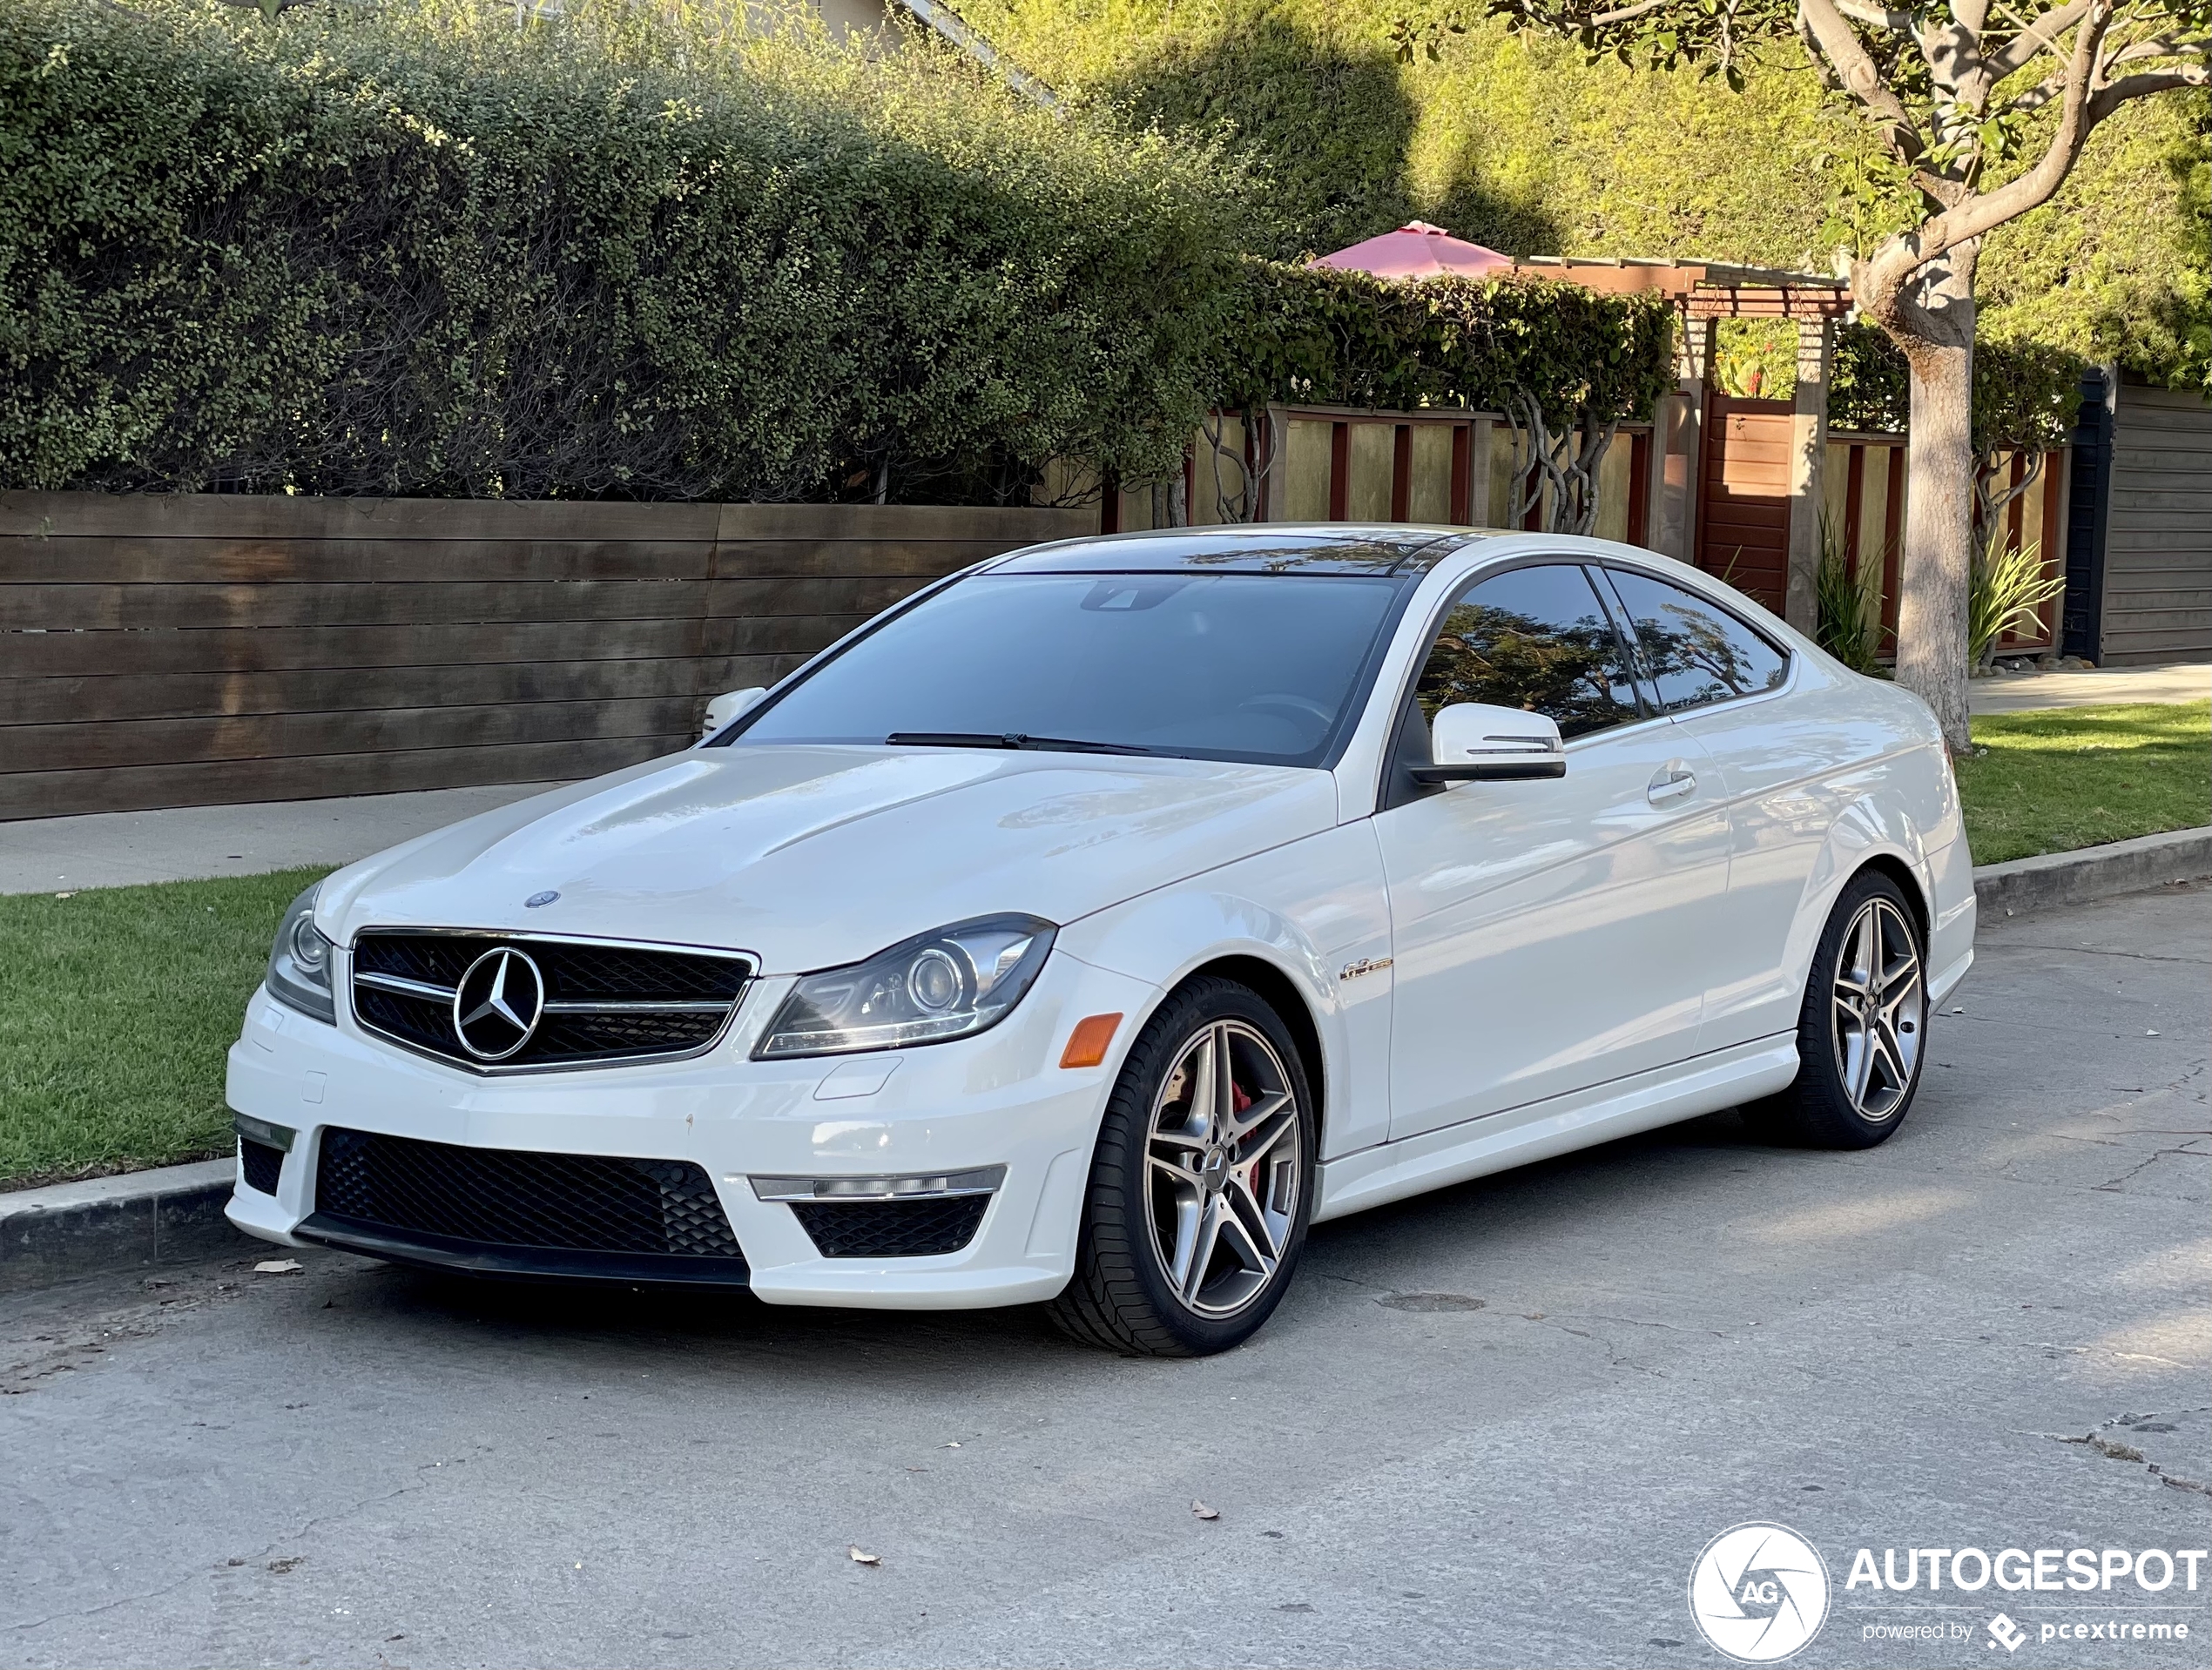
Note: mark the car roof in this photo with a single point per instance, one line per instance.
(1387, 549)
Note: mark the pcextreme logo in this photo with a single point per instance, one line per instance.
(1758, 1592)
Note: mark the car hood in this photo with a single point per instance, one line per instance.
(811, 857)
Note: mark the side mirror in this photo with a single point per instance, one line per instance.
(727, 706)
(1472, 742)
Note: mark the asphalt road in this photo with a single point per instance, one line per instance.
(1619, 1356)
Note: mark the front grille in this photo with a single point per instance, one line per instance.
(891, 1229)
(600, 1002)
(501, 1197)
(260, 1163)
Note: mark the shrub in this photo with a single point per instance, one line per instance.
(2025, 393)
(1520, 144)
(401, 252)
(2007, 588)
(416, 250)
(1844, 627)
(1344, 338)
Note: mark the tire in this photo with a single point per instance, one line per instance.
(1862, 1031)
(1175, 1259)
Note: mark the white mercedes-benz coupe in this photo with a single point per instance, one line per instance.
(1086, 926)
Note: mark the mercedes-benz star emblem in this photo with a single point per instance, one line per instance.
(496, 1007)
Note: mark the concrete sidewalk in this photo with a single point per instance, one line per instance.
(122, 849)
(2089, 687)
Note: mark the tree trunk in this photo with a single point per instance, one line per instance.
(1938, 337)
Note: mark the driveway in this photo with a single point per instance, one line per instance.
(1493, 1426)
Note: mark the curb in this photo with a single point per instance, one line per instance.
(175, 1214)
(2037, 884)
(135, 1221)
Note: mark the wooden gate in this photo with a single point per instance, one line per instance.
(1743, 513)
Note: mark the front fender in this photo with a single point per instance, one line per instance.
(1310, 913)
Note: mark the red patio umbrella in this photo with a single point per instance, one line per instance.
(1418, 250)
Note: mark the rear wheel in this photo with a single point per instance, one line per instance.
(1201, 1184)
(1862, 1031)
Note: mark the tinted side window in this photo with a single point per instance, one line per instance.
(1695, 651)
(1536, 639)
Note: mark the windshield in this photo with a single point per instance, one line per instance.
(1231, 666)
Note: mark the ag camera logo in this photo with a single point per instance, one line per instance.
(1758, 1592)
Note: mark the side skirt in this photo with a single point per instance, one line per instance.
(1943, 985)
(1558, 1125)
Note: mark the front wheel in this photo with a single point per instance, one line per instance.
(1201, 1184)
(1863, 1030)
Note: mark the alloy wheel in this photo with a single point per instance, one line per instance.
(1879, 1010)
(1223, 1163)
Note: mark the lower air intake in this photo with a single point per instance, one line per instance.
(508, 1199)
(261, 1165)
(892, 1229)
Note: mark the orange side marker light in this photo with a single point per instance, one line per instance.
(1087, 1044)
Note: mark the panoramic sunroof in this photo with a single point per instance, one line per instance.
(1252, 549)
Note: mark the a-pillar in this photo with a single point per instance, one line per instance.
(1679, 430)
(1808, 454)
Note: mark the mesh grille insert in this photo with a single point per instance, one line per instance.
(570, 1031)
(507, 1198)
(261, 1164)
(891, 1229)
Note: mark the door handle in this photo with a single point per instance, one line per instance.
(1672, 782)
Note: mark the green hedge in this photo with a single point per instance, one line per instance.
(1343, 338)
(1520, 144)
(416, 251)
(2025, 393)
(410, 252)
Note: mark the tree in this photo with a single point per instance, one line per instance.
(1979, 112)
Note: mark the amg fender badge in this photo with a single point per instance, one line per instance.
(1365, 965)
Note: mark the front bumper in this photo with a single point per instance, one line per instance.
(997, 1100)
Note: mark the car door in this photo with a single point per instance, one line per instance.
(1548, 935)
(1724, 684)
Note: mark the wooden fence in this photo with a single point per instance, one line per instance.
(166, 650)
(1322, 463)
(1864, 499)
(1744, 516)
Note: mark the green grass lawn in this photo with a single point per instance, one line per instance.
(115, 1006)
(2064, 778)
(117, 1003)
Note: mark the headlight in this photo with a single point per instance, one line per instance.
(947, 984)
(300, 962)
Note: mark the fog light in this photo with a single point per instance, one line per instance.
(279, 1137)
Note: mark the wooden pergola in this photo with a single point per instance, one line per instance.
(1703, 293)
(1702, 289)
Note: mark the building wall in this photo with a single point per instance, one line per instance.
(2157, 592)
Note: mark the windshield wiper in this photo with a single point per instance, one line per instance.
(1010, 739)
